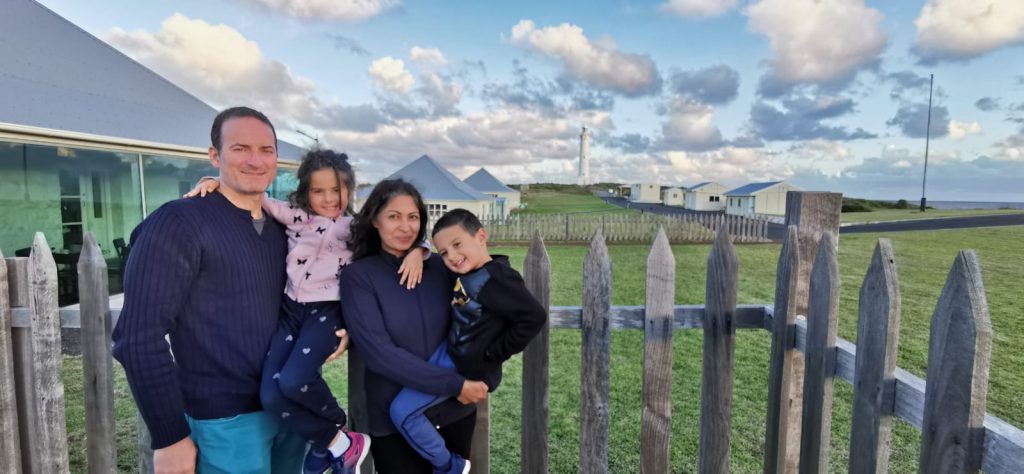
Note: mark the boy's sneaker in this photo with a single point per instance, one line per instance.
(459, 465)
(317, 461)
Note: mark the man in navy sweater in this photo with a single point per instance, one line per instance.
(209, 273)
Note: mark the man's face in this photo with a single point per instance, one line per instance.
(461, 251)
(247, 159)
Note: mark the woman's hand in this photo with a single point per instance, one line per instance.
(412, 268)
(342, 345)
(473, 391)
(206, 185)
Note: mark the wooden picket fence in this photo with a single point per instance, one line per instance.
(633, 227)
(806, 357)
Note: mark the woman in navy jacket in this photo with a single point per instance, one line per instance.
(396, 329)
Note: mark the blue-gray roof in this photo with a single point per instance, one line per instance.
(751, 188)
(485, 182)
(57, 76)
(699, 185)
(437, 183)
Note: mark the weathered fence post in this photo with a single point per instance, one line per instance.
(144, 445)
(358, 417)
(878, 335)
(97, 362)
(52, 449)
(820, 363)
(21, 348)
(719, 346)
(480, 452)
(534, 436)
(656, 417)
(10, 444)
(812, 213)
(596, 357)
(783, 354)
(959, 346)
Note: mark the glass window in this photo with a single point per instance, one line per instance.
(65, 193)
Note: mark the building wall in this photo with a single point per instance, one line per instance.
(772, 201)
(674, 197)
(740, 206)
(710, 197)
(645, 193)
(65, 192)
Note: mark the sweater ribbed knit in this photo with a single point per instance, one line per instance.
(200, 273)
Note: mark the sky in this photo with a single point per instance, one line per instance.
(830, 95)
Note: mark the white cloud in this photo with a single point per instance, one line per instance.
(509, 137)
(598, 63)
(697, 8)
(959, 29)
(333, 10)
(817, 41)
(390, 74)
(219, 65)
(1012, 148)
(960, 130)
(690, 126)
(427, 56)
(443, 96)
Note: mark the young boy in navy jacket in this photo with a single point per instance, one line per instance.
(494, 317)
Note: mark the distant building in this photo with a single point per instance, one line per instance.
(706, 196)
(92, 141)
(505, 198)
(759, 198)
(441, 190)
(673, 196)
(642, 192)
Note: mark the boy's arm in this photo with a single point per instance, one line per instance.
(164, 262)
(505, 295)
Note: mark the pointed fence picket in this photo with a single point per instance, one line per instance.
(805, 357)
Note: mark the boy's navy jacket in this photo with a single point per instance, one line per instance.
(396, 330)
(494, 317)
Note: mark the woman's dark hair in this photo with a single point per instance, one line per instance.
(316, 160)
(365, 240)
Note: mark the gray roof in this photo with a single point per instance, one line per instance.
(57, 76)
(485, 182)
(751, 188)
(437, 183)
(699, 185)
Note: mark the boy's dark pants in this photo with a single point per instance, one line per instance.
(292, 387)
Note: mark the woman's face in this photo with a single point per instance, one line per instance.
(398, 224)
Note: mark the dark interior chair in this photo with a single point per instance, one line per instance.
(122, 250)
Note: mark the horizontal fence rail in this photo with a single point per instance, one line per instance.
(806, 357)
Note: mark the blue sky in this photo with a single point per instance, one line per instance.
(829, 94)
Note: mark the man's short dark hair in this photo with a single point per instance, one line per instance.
(460, 217)
(236, 112)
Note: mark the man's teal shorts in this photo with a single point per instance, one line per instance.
(251, 443)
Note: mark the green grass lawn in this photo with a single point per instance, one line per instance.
(923, 260)
(906, 214)
(553, 202)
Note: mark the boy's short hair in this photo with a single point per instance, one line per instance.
(460, 217)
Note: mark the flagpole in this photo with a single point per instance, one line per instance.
(927, 137)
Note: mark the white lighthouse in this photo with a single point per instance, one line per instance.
(584, 177)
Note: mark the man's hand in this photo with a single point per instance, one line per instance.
(178, 458)
(342, 345)
(473, 391)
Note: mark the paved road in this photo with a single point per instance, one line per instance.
(776, 231)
